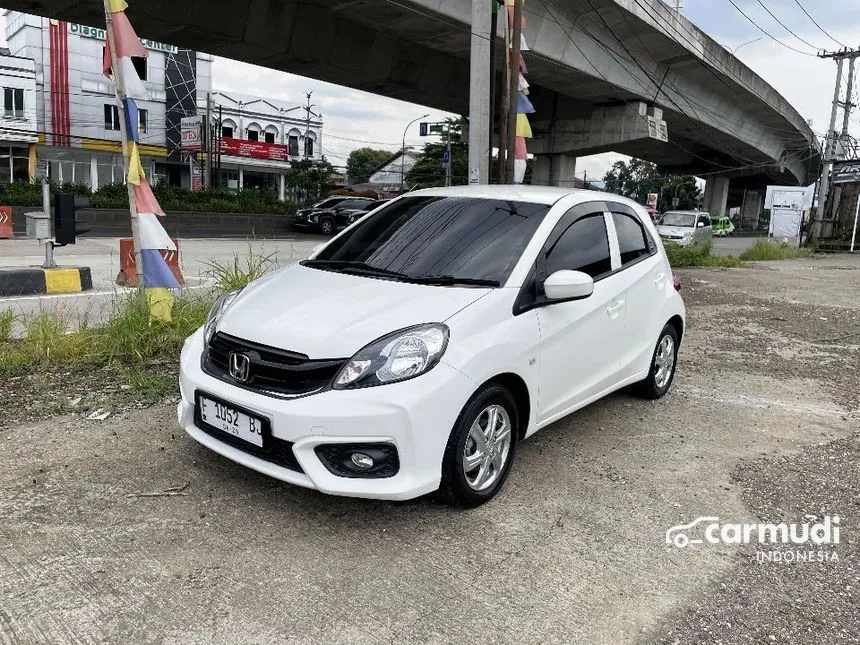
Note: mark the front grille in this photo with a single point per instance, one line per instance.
(274, 450)
(272, 370)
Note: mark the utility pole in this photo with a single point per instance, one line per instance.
(494, 33)
(505, 103)
(207, 177)
(450, 160)
(479, 92)
(307, 122)
(833, 137)
(218, 153)
(513, 91)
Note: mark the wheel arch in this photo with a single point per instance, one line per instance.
(516, 385)
(678, 324)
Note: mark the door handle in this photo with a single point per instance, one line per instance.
(659, 279)
(614, 308)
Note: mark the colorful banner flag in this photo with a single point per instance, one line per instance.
(125, 39)
(152, 234)
(115, 6)
(135, 167)
(524, 106)
(524, 129)
(134, 88)
(131, 119)
(145, 200)
(160, 304)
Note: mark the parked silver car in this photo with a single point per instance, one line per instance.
(685, 227)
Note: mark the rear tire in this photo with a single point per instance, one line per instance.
(327, 226)
(663, 363)
(480, 449)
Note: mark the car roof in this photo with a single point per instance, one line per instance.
(535, 194)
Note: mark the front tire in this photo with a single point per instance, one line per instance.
(480, 449)
(663, 362)
(327, 226)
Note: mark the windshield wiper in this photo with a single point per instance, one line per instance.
(450, 280)
(353, 266)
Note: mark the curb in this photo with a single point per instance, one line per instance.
(35, 281)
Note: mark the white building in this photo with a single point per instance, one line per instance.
(77, 122)
(18, 126)
(260, 137)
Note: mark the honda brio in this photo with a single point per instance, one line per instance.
(413, 351)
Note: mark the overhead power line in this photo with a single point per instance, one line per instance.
(787, 28)
(823, 31)
(765, 32)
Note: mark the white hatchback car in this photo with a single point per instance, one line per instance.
(412, 351)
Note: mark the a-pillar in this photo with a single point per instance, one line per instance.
(716, 195)
(751, 209)
(554, 170)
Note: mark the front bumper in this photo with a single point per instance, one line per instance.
(416, 416)
(684, 241)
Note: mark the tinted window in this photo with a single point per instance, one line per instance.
(705, 219)
(584, 247)
(331, 202)
(353, 203)
(432, 236)
(678, 219)
(632, 239)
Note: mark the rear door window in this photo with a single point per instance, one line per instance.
(633, 240)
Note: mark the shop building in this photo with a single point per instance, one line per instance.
(68, 120)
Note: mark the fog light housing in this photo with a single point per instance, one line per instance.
(359, 460)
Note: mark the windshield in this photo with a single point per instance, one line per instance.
(678, 219)
(426, 237)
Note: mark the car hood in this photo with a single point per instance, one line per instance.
(674, 230)
(324, 314)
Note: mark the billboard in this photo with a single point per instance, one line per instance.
(191, 128)
(254, 149)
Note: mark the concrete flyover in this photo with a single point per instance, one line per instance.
(600, 71)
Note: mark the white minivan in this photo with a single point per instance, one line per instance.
(414, 350)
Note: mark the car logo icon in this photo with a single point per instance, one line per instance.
(239, 366)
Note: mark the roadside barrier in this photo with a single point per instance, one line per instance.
(5, 222)
(128, 266)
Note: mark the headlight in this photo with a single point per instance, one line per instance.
(688, 233)
(216, 312)
(396, 357)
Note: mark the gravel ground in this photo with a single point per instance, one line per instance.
(126, 531)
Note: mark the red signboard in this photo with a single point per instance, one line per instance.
(254, 149)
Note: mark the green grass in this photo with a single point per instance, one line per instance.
(768, 250)
(241, 272)
(698, 255)
(7, 320)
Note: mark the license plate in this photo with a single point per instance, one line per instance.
(230, 420)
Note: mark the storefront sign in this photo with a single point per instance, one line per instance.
(254, 149)
(100, 34)
(846, 172)
(191, 128)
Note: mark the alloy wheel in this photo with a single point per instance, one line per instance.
(487, 448)
(664, 361)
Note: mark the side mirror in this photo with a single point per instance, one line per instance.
(567, 285)
(701, 224)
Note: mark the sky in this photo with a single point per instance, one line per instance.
(805, 81)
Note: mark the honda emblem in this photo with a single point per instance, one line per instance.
(239, 366)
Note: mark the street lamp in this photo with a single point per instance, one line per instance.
(403, 150)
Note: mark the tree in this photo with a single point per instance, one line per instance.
(309, 181)
(680, 187)
(634, 179)
(428, 171)
(363, 161)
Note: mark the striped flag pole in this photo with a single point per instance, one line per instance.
(119, 82)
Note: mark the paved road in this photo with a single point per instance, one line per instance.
(733, 245)
(573, 551)
(102, 256)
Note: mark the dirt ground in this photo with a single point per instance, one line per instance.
(759, 425)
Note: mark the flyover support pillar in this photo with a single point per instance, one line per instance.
(554, 170)
(751, 210)
(716, 195)
(479, 93)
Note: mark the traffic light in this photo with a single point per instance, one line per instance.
(66, 224)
